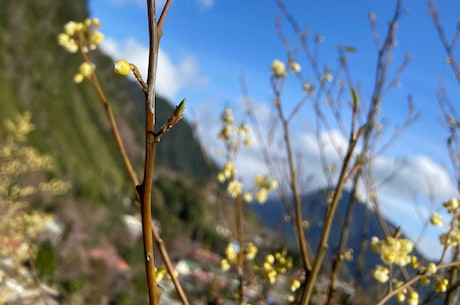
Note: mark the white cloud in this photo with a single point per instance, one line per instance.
(171, 77)
(205, 3)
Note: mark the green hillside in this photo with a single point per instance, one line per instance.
(36, 76)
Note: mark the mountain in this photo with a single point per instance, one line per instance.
(364, 226)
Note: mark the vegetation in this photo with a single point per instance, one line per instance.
(101, 155)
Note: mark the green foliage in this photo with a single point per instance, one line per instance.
(181, 206)
(46, 261)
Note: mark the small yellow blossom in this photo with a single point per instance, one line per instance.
(436, 220)
(226, 132)
(308, 87)
(72, 27)
(224, 265)
(295, 284)
(425, 281)
(295, 67)
(441, 285)
(96, 38)
(78, 78)
(87, 69)
(261, 195)
(273, 184)
(270, 259)
(431, 269)
(451, 204)
(160, 273)
(400, 297)
(247, 142)
(227, 116)
(328, 77)
(272, 276)
(450, 239)
(413, 298)
(229, 170)
(231, 253)
(250, 251)
(381, 274)
(122, 67)
(234, 188)
(278, 69)
(247, 197)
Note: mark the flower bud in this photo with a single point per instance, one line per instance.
(122, 67)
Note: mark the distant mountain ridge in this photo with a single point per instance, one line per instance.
(364, 226)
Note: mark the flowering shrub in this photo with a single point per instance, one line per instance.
(21, 224)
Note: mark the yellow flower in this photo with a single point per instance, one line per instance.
(295, 284)
(122, 67)
(295, 67)
(436, 220)
(247, 142)
(451, 204)
(247, 197)
(96, 22)
(160, 273)
(251, 251)
(270, 259)
(231, 252)
(328, 77)
(87, 69)
(278, 68)
(72, 27)
(229, 170)
(78, 78)
(224, 265)
(431, 269)
(425, 281)
(261, 195)
(234, 188)
(400, 297)
(96, 38)
(273, 184)
(441, 285)
(381, 274)
(413, 298)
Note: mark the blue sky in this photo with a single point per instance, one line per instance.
(207, 44)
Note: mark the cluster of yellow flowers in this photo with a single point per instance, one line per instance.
(397, 251)
(232, 135)
(409, 295)
(81, 36)
(279, 68)
(280, 71)
(232, 251)
(393, 250)
(274, 265)
(451, 238)
(20, 226)
(264, 184)
(161, 272)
